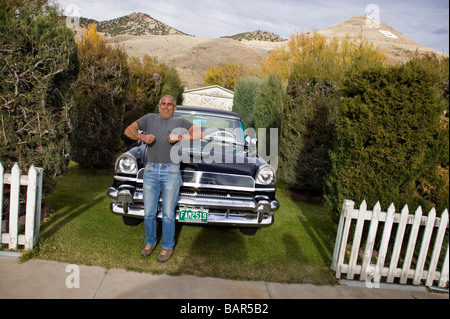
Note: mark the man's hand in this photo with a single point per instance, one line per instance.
(174, 138)
(132, 132)
(195, 133)
(148, 139)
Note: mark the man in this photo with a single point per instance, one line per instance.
(162, 175)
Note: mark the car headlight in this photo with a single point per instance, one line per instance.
(126, 164)
(266, 175)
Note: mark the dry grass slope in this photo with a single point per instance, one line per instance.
(192, 56)
(397, 46)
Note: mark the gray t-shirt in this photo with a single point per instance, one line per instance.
(159, 151)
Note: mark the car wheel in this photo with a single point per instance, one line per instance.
(131, 221)
(248, 231)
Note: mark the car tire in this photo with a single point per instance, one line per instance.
(248, 231)
(131, 221)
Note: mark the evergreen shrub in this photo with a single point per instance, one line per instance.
(308, 124)
(101, 92)
(388, 124)
(245, 94)
(38, 61)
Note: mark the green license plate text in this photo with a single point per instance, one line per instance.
(193, 216)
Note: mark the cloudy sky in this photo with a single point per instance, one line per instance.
(426, 22)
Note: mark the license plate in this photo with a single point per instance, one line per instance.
(193, 216)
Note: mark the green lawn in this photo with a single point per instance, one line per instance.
(296, 249)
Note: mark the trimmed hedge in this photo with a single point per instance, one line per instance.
(309, 119)
(386, 137)
(245, 94)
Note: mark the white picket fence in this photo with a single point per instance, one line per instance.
(413, 259)
(33, 181)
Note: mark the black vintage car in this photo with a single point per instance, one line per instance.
(224, 181)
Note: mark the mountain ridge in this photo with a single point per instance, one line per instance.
(140, 35)
(256, 36)
(136, 23)
(139, 24)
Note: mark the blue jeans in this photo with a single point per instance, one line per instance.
(164, 180)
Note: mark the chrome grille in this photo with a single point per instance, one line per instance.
(210, 193)
(215, 193)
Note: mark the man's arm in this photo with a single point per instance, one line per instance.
(195, 133)
(132, 132)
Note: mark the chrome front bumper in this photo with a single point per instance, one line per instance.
(249, 212)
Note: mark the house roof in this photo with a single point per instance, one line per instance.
(213, 90)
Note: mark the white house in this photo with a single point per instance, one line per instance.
(215, 97)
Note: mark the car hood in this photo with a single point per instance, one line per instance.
(219, 162)
(196, 159)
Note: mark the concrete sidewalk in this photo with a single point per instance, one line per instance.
(52, 280)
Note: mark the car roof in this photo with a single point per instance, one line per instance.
(207, 111)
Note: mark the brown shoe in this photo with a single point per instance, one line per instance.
(147, 251)
(165, 255)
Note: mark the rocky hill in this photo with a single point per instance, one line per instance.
(137, 24)
(257, 36)
(396, 45)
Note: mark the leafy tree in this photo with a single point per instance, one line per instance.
(165, 79)
(171, 83)
(100, 96)
(145, 86)
(214, 76)
(38, 61)
(225, 75)
(314, 56)
(149, 81)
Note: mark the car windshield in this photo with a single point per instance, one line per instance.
(217, 128)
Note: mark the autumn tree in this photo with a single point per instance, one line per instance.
(315, 56)
(100, 95)
(225, 75)
(38, 61)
